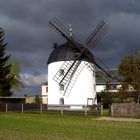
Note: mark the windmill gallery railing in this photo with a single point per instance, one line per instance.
(44, 108)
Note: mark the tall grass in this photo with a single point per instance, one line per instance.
(14, 126)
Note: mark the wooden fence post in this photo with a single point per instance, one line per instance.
(41, 108)
(101, 110)
(85, 110)
(6, 107)
(111, 110)
(22, 108)
(62, 109)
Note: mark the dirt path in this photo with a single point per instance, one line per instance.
(118, 119)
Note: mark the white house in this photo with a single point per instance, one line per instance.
(44, 93)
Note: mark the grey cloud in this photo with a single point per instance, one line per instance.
(30, 39)
(32, 80)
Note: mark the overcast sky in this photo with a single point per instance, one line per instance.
(30, 39)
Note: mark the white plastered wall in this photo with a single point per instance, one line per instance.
(84, 87)
(44, 94)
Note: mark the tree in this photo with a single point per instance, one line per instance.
(106, 98)
(8, 71)
(14, 76)
(129, 69)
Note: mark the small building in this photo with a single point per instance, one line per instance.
(44, 93)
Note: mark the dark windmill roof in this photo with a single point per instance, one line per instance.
(67, 51)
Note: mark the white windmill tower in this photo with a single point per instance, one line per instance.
(71, 71)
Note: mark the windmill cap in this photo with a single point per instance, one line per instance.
(67, 52)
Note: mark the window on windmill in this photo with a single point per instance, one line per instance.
(47, 89)
(61, 72)
(61, 101)
(61, 87)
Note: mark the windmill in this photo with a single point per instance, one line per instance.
(75, 65)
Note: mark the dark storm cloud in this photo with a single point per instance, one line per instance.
(30, 39)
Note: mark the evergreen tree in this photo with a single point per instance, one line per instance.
(5, 68)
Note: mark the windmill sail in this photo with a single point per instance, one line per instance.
(97, 34)
(69, 68)
(62, 30)
(73, 78)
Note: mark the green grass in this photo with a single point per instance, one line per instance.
(15, 126)
(106, 112)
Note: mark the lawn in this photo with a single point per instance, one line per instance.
(15, 126)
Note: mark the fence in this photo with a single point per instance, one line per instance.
(18, 107)
(125, 110)
(63, 109)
